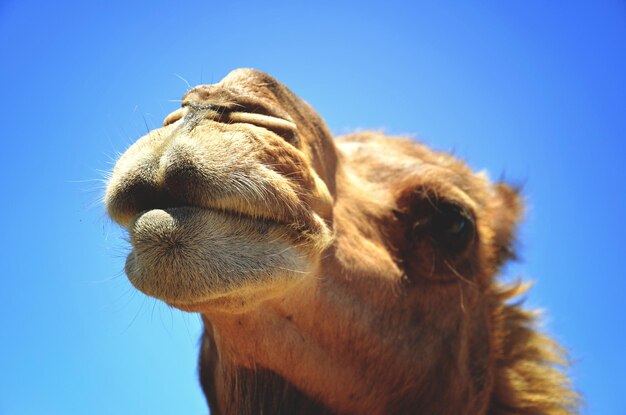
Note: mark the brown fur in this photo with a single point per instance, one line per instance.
(348, 275)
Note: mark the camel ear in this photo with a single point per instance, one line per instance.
(509, 208)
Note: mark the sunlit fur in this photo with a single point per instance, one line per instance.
(328, 276)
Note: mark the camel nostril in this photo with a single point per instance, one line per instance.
(284, 128)
(174, 116)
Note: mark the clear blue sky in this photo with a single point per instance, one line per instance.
(534, 90)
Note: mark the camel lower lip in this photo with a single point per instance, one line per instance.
(186, 255)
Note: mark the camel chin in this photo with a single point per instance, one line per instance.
(190, 256)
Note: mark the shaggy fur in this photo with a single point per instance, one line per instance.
(347, 275)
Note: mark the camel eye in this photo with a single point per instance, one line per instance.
(452, 227)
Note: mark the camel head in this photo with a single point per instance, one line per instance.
(348, 275)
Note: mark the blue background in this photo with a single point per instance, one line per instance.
(533, 90)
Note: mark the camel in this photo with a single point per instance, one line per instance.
(348, 275)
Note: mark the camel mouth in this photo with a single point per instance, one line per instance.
(222, 198)
(151, 221)
(172, 208)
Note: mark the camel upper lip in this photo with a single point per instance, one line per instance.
(126, 209)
